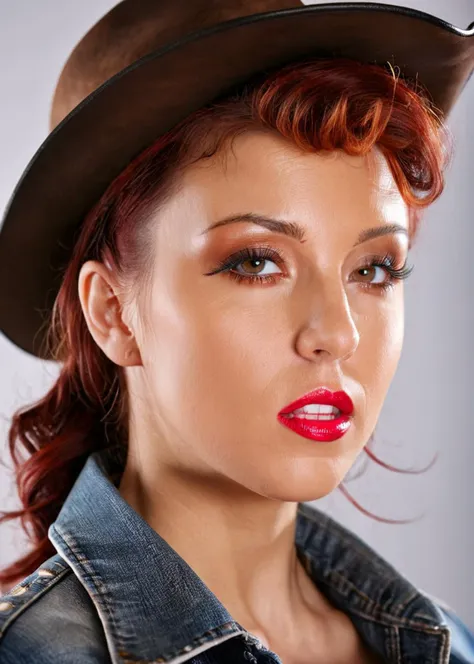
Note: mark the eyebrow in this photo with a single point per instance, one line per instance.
(296, 231)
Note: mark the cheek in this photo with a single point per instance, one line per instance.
(381, 341)
(218, 370)
(224, 350)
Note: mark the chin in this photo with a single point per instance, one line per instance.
(302, 495)
(300, 487)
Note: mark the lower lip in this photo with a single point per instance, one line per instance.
(320, 430)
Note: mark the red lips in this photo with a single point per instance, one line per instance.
(320, 430)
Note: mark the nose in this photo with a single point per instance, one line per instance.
(329, 330)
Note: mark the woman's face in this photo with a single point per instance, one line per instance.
(222, 355)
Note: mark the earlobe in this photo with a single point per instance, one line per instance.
(102, 310)
(133, 357)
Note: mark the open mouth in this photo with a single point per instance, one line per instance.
(315, 411)
(320, 415)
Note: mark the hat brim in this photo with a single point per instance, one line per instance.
(95, 142)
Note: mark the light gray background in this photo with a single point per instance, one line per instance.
(428, 407)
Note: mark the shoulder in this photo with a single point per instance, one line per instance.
(48, 618)
(462, 637)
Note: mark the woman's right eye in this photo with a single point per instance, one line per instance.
(252, 265)
(255, 266)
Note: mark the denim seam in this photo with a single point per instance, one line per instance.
(102, 593)
(373, 603)
(349, 541)
(446, 646)
(371, 606)
(101, 590)
(351, 544)
(395, 644)
(48, 582)
(191, 650)
(400, 622)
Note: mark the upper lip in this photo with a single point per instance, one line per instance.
(340, 400)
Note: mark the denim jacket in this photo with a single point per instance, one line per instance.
(116, 591)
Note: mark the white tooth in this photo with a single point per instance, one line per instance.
(317, 409)
(323, 416)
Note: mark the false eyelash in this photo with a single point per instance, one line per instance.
(388, 262)
(263, 252)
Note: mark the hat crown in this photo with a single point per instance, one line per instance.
(133, 29)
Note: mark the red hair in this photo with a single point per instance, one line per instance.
(317, 105)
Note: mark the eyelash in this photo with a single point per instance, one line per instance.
(386, 261)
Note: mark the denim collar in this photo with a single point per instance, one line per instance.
(154, 607)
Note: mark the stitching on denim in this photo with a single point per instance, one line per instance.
(348, 540)
(445, 646)
(83, 560)
(46, 582)
(343, 585)
(395, 622)
(337, 581)
(341, 532)
(353, 543)
(371, 602)
(395, 642)
(103, 594)
(208, 637)
(249, 656)
(101, 590)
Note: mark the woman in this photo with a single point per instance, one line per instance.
(222, 260)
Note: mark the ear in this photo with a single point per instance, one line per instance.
(98, 293)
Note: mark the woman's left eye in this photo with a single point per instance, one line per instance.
(374, 274)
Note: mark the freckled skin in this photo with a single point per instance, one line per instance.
(210, 466)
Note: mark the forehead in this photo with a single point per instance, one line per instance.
(266, 173)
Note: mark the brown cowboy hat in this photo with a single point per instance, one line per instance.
(148, 64)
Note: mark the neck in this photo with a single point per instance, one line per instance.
(239, 543)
